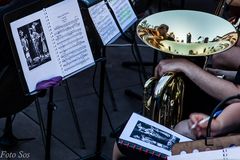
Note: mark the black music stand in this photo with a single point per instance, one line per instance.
(12, 17)
(51, 108)
(139, 9)
(97, 47)
(98, 155)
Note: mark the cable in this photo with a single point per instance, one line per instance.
(217, 108)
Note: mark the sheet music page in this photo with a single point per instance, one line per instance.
(35, 49)
(104, 22)
(232, 153)
(147, 133)
(70, 36)
(123, 12)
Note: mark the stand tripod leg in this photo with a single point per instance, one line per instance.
(97, 155)
(111, 92)
(100, 107)
(41, 123)
(137, 51)
(51, 108)
(74, 114)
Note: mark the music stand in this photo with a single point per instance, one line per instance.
(99, 55)
(15, 30)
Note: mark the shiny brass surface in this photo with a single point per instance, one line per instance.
(187, 33)
(163, 99)
(180, 33)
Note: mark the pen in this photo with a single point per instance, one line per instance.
(206, 119)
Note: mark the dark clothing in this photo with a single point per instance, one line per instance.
(12, 98)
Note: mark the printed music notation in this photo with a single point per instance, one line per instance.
(123, 12)
(71, 41)
(104, 22)
(52, 39)
(71, 44)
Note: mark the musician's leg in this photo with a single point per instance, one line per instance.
(183, 129)
(117, 154)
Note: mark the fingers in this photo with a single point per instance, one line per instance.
(156, 71)
(197, 117)
(197, 129)
(163, 67)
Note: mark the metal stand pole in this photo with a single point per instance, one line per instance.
(97, 155)
(41, 123)
(51, 107)
(100, 106)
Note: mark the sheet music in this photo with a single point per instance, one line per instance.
(123, 12)
(51, 42)
(104, 22)
(70, 36)
(147, 133)
(32, 65)
(232, 153)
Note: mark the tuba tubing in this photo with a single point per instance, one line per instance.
(163, 99)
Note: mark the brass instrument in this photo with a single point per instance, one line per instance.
(166, 98)
(180, 33)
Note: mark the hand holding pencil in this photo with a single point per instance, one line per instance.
(198, 124)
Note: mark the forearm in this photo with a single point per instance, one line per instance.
(233, 2)
(229, 118)
(214, 86)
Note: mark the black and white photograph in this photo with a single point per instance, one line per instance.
(34, 44)
(150, 134)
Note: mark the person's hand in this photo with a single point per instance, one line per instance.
(171, 65)
(201, 128)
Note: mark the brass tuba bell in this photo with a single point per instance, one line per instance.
(163, 99)
(179, 33)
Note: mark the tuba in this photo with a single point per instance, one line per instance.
(163, 97)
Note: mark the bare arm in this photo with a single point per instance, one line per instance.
(216, 87)
(226, 122)
(233, 2)
(226, 74)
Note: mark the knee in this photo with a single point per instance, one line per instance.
(117, 155)
(183, 129)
